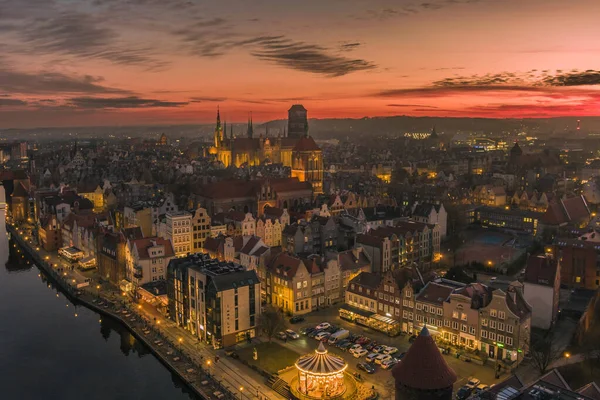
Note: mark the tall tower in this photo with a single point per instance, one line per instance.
(250, 132)
(307, 163)
(423, 373)
(297, 121)
(218, 136)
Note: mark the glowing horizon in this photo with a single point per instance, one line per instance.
(140, 62)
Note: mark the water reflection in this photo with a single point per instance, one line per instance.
(98, 356)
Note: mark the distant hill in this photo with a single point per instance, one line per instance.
(331, 128)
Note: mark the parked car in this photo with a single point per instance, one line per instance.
(389, 363)
(371, 357)
(342, 343)
(314, 333)
(346, 346)
(400, 356)
(381, 358)
(368, 368)
(463, 393)
(323, 325)
(371, 346)
(322, 335)
(390, 350)
(325, 338)
(481, 388)
(296, 319)
(281, 335)
(472, 383)
(354, 347)
(378, 349)
(339, 335)
(360, 352)
(363, 340)
(306, 330)
(412, 338)
(291, 334)
(493, 279)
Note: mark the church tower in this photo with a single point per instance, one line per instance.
(297, 121)
(250, 132)
(218, 136)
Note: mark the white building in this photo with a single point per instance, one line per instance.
(541, 288)
(147, 259)
(178, 228)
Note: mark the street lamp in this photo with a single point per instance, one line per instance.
(241, 392)
(180, 340)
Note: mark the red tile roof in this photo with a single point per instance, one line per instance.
(285, 265)
(541, 270)
(573, 209)
(143, 245)
(423, 366)
(238, 188)
(434, 293)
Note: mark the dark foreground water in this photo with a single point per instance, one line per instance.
(46, 352)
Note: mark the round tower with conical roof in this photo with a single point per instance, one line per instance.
(423, 373)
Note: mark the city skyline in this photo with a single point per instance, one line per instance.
(113, 62)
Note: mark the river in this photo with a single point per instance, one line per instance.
(53, 349)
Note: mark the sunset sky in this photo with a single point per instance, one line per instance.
(128, 62)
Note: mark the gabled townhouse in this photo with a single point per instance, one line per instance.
(147, 260)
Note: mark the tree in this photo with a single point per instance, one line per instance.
(271, 321)
(543, 352)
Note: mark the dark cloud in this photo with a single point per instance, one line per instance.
(11, 102)
(481, 80)
(573, 78)
(279, 50)
(349, 46)
(121, 102)
(410, 9)
(12, 81)
(207, 99)
(307, 57)
(84, 36)
(410, 105)
(455, 90)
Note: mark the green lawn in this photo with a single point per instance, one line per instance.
(272, 357)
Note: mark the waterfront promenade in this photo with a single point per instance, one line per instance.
(194, 362)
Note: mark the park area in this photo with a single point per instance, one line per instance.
(272, 357)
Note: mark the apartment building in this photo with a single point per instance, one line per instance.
(505, 325)
(147, 260)
(139, 215)
(178, 229)
(219, 302)
(201, 229)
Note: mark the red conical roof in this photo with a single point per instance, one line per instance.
(423, 366)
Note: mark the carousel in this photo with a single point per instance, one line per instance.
(320, 375)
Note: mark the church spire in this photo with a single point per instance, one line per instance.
(250, 127)
(218, 136)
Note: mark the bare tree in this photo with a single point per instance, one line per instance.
(543, 352)
(271, 322)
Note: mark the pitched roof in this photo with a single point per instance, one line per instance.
(517, 305)
(142, 246)
(590, 390)
(541, 270)
(239, 188)
(369, 280)
(285, 265)
(306, 143)
(423, 366)
(434, 293)
(564, 211)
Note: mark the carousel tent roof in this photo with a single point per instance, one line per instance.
(321, 362)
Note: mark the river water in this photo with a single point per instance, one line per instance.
(53, 349)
